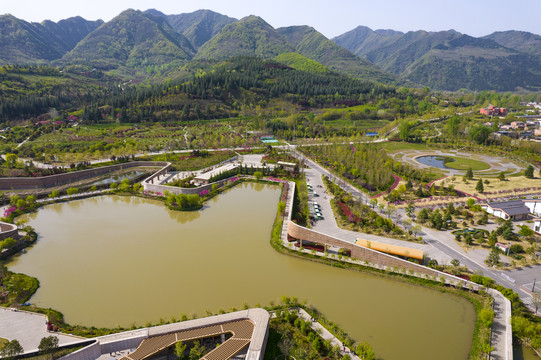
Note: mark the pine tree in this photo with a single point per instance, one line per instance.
(529, 172)
(469, 174)
(480, 187)
(501, 177)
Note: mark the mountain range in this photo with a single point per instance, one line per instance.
(135, 41)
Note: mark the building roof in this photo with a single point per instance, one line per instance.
(511, 207)
(206, 176)
(391, 249)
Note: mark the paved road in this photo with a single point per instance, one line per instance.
(329, 226)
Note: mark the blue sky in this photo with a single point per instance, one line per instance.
(331, 17)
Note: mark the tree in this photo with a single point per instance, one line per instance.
(48, 345)
(501, 177)
(480, 187)
(197, 351)
(11, 160)
(72, 191)
(179, 349)
(455, 262)
(469, 174)
(124, 185)
(529, 172)
(479, 133)
(258, 175)
(536, 300)
(525, 231)
(12, 349)
(410, 209)
(404, 130)
(423, 215)
(452, 125)
(437, 220)
(493, 258)
(365, 351)
(54, 194)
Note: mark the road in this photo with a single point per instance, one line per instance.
(444, 243)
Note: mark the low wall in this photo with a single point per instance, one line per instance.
(8, 230)
(153, 185)
(372, 256)
(26, 183)
(178, 190)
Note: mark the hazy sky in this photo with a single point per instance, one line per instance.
(331, 17)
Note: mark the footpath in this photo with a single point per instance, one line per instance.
(323, 333)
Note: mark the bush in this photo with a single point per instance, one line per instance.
(516, 248)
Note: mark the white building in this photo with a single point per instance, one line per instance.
(534, 205)
(513, 209)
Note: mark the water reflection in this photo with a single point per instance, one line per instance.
(118, 178)
(434, 161)
(184, 217)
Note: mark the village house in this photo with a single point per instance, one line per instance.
(494, 111)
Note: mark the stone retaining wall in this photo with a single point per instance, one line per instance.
(26, 183)
(8, 230)
(178, 190)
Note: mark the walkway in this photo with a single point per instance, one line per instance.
(29, 329)
(326, 334)
(501, 337)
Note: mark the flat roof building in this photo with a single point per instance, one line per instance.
(512, 209)
(204, 179)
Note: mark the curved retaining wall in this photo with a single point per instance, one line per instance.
(8, 230)
(373, 257)
(24, 183)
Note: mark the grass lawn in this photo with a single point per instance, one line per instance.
(461, 163)
(517, 182)
(392, 146)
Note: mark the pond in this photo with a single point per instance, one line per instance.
(130, 175)
(435, 161)
(113, 260)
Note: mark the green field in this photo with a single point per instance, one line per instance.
(392, 146)
(461, 163)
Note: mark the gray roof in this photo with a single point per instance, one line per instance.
(511, 207)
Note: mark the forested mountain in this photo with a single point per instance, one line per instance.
(24, 42)
(362, 39)
(521, 41)
(199, 26)
(472, 63)
(133, 39)
(250, 36)
(312, 44)
(70, 31)
(154, 46)
(449, 60)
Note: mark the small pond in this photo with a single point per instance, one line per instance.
(435, 161)
(130, 175)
